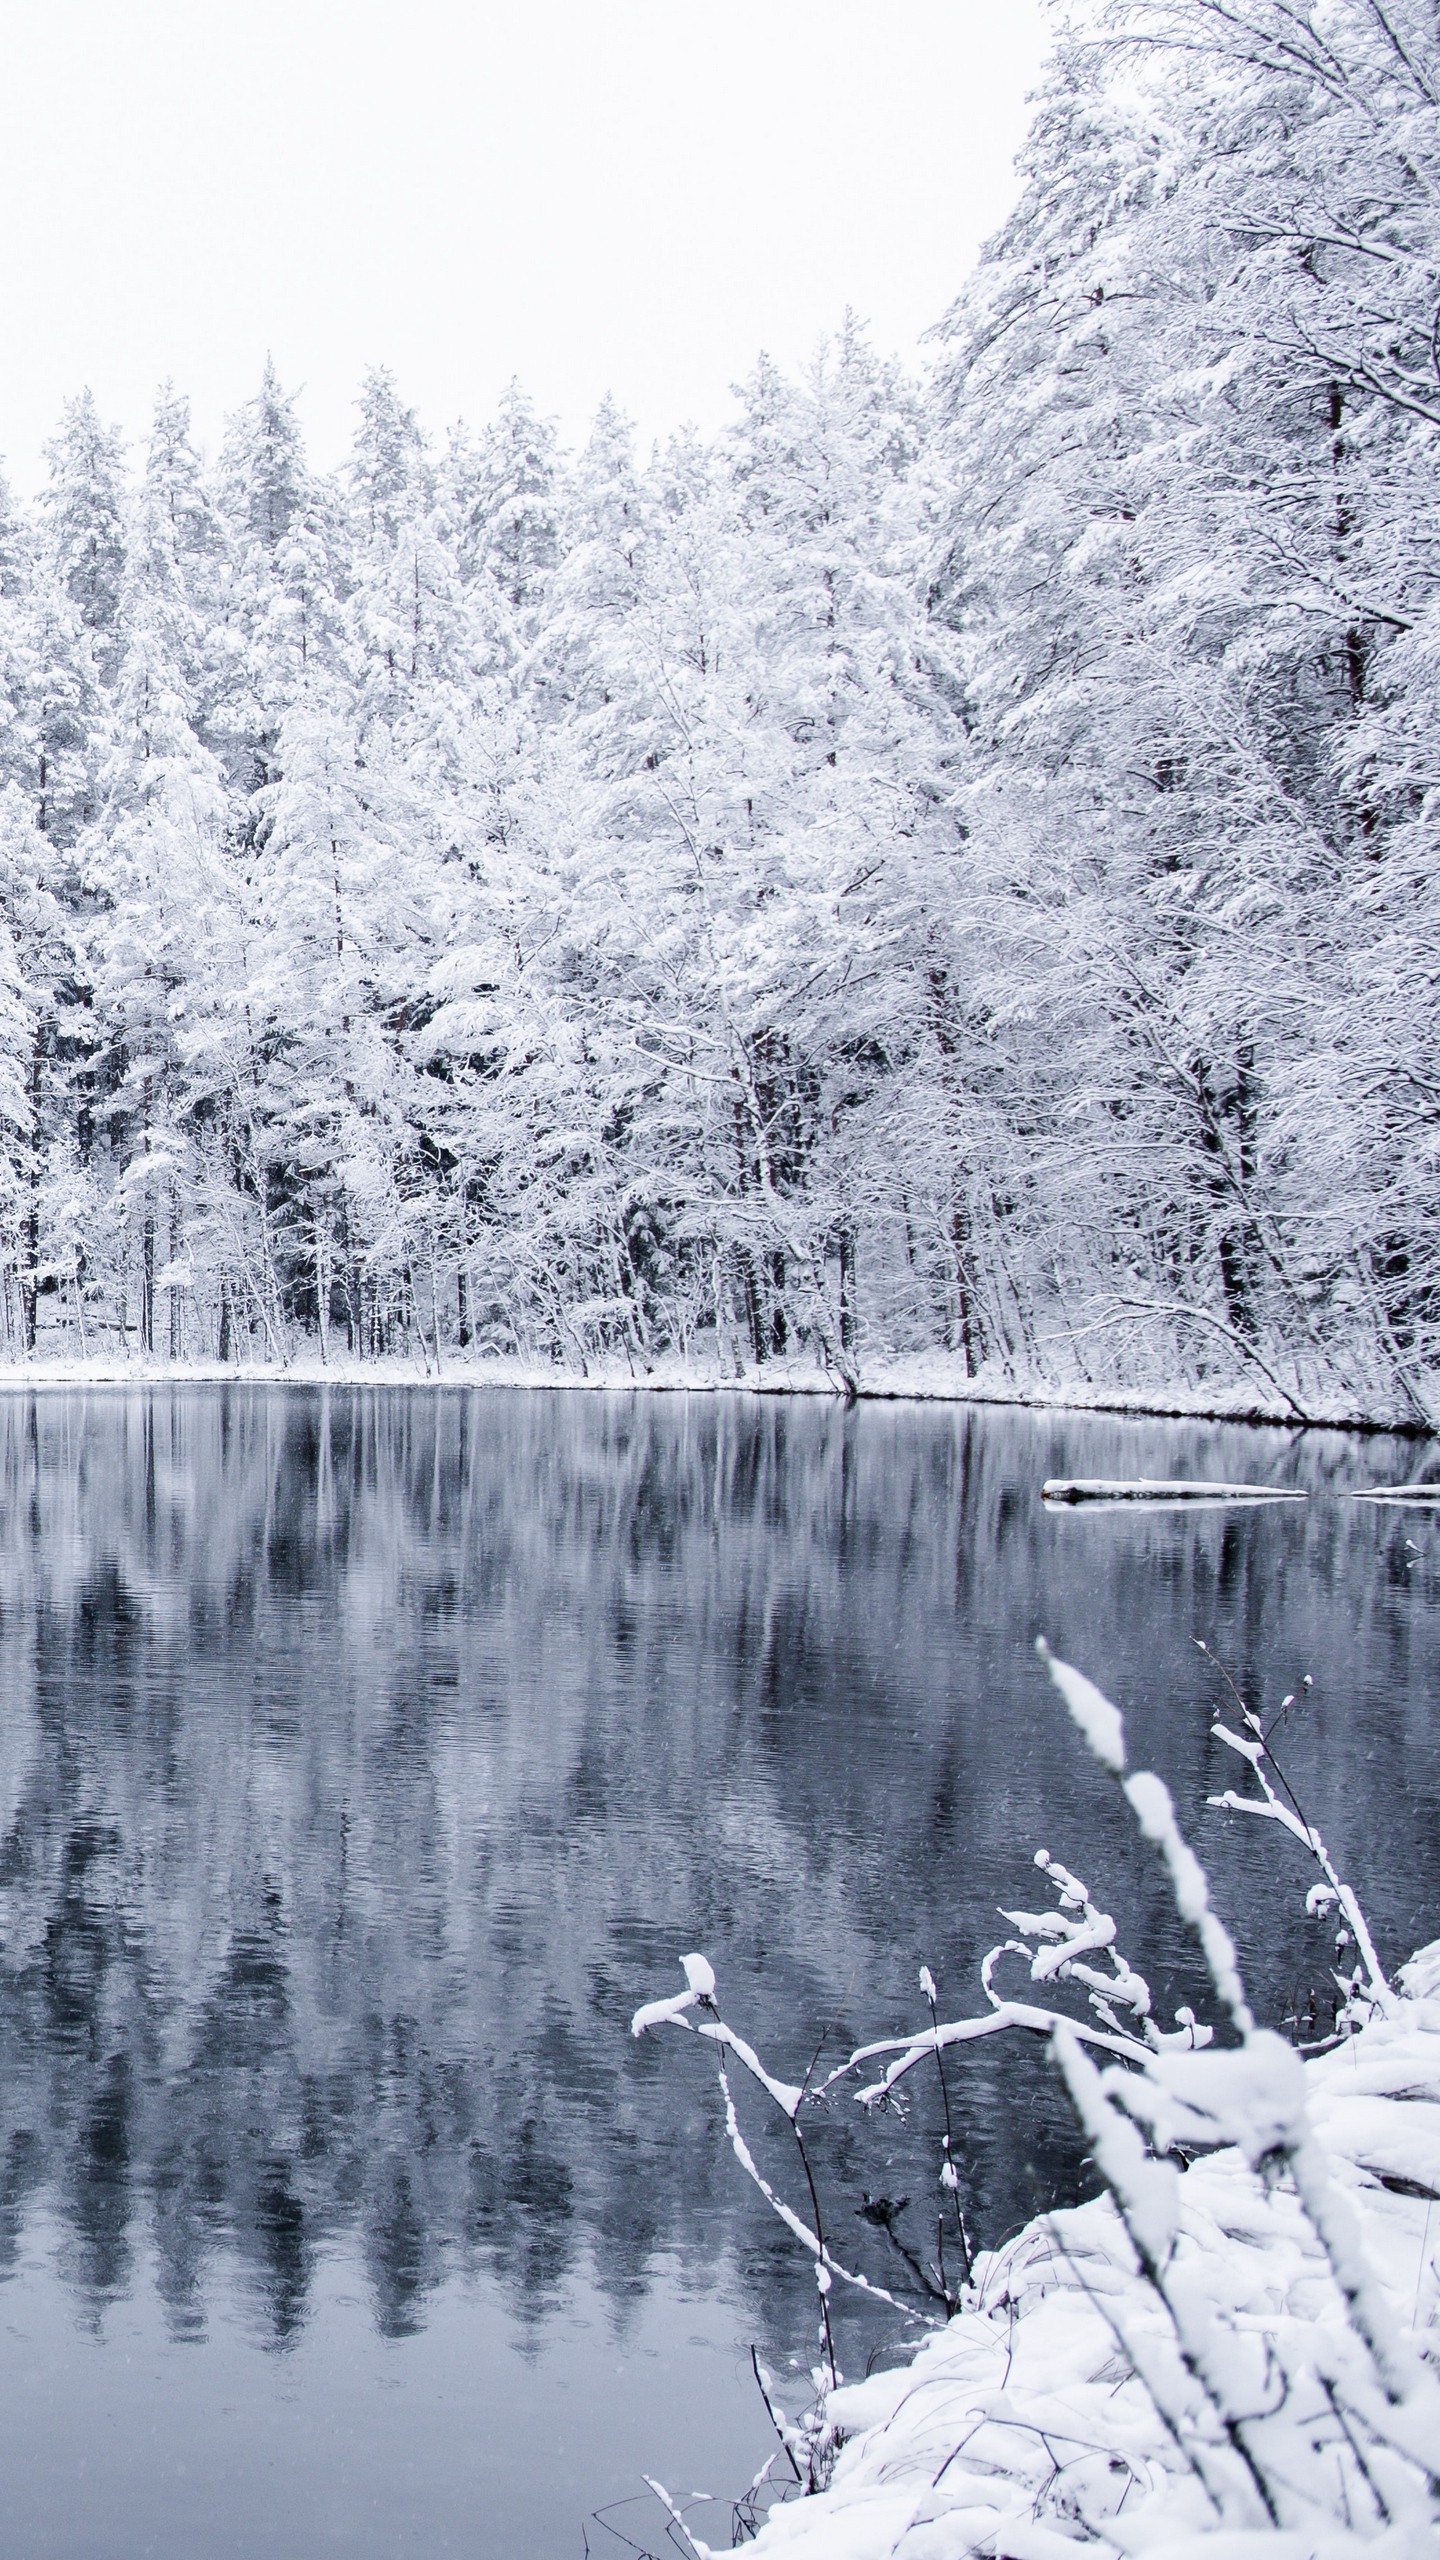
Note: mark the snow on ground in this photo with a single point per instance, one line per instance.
(932, 1377)
(1021, 2429)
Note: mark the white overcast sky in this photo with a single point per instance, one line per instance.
(630, 196)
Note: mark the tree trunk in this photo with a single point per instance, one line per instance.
(847, 1288)
(29, 1275)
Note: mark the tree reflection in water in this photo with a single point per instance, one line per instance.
(366, 1756)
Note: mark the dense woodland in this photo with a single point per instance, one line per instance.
(944, 868)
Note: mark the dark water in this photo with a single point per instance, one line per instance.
(365, 1758)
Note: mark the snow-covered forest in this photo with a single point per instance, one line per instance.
(943, 868)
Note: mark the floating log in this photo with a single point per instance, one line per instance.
(1424, 1494)
(1161, 1489)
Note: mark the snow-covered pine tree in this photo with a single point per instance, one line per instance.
(83, 509)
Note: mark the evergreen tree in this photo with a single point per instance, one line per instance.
(84, 512)
(388, 474)
(508, 496)
(263, 476)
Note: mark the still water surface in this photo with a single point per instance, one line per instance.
(365, 1757)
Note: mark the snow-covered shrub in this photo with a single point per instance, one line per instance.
(1227, 2348)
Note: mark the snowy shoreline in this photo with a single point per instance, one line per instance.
(1019, 2426)
(922, 1381)
(1231, 2349)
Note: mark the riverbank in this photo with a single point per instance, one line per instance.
(929, 1379)
(1022, 2427)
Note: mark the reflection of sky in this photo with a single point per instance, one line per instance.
(470, 2436)
(363, 1762)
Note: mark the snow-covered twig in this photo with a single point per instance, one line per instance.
(789, 2098)
(1253, 1745)
(1253, 2099)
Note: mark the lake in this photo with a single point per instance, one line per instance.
(366, 1756)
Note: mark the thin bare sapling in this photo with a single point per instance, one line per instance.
(1363, 1989)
